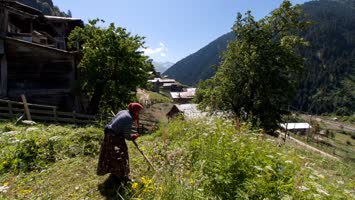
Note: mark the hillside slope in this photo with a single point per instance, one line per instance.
(328, 84)
(199, 66)
(46, 6)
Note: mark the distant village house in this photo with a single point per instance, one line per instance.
(297, 128)
(183, 97)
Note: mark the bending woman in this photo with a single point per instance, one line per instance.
(114, 152)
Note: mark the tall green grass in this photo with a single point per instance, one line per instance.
(204, 159)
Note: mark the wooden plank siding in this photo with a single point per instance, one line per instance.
(44, 74)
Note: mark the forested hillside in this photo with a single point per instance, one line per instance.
(46, 6)
(327, 84)
(199, 66)
(328, 81)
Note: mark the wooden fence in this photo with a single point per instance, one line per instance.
(45, 113)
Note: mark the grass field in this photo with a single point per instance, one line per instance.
(206, 159)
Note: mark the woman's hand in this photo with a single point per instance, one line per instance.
(135, 136)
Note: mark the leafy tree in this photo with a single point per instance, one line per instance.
(112, 67)
(259, 70)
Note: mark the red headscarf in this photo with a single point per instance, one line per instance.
(134, 108)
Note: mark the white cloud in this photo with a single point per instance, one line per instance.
(162, 50)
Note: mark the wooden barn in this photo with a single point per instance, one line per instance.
(35, 60)
(187, 111)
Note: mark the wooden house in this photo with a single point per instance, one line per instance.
(184, 97)
(35, 60)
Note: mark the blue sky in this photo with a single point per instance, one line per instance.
(173, 29)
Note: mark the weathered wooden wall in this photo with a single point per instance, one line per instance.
(44, 75)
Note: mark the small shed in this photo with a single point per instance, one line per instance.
(188, 111)
(300, 128)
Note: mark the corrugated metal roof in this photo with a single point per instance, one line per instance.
(190, 93)
(190, 111)
(162, 80)
(294, 126)
(175, 95)
(168, 84)
(62, 18)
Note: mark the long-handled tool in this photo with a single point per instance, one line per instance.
(145, 157)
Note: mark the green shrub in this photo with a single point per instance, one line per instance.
(36, 147)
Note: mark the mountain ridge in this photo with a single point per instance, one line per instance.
(189, 71)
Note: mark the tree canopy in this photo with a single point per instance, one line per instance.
(112, 65)
(258, 74)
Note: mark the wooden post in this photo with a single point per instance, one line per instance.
(27, 110)
(9, 104)
(55, 114)
(74, 116)
(3, 84)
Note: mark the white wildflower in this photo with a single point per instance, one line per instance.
(316, 196)
(302, 157)
(269, 168)
(55, 138)
(340, 182)
(31, 129)
(270, 156)
(3, 189)
(312, 177)
(303, 188)
(258, 168)
(323, 192)
(289, 161)
(11, 133)
(347, 191)
(287, 197)
(14, 141)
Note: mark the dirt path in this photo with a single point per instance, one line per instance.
(298, 142)
(346, 127)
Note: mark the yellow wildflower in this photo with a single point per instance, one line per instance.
(192, 182)
(135, 186)
(146, 181)
(6, 184)
(25, 191)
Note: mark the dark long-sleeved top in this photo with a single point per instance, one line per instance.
(122, 124)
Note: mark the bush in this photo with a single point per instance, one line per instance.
(34, 148)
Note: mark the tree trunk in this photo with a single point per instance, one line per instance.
(96, 97)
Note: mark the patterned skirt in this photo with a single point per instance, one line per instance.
(113, 156)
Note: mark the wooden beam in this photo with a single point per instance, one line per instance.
(4, 17)
(27, 110)
(2, 46)
(3, 86)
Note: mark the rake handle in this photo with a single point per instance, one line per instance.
(145, 157)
